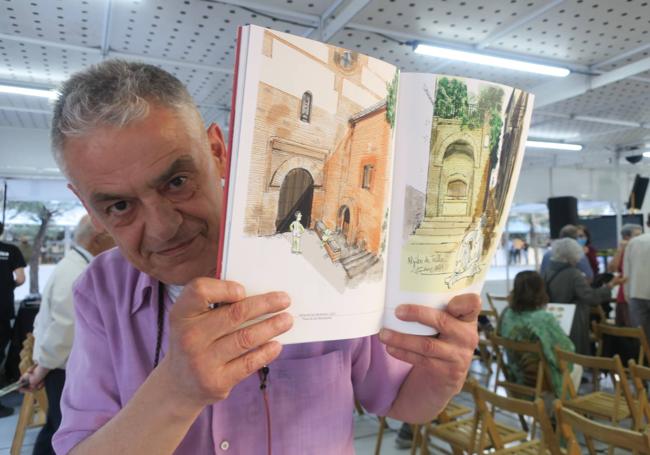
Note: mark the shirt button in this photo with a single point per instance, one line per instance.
(225, 445)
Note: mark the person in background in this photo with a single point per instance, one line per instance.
(565, 283)
(54, 326)
(526, 319)
(637, 289)
(12, 275)
(584, 239)
(572, 232)
(628, 232)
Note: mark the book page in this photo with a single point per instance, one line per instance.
(309, 183)
(459, 146)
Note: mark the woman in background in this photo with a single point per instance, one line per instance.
(565, 283)
(526, 319)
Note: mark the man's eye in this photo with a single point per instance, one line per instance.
(118, 208)
(177, 182)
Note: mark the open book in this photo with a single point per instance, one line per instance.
(355, 188)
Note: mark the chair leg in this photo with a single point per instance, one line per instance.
(380, 435)
(416, 438)
(24, 419)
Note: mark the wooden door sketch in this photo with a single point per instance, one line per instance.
(296, 194)
(344, 221)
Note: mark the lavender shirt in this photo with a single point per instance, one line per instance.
(311, 386)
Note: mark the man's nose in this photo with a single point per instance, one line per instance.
(162, 220)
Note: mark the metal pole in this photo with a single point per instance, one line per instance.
(621, 194)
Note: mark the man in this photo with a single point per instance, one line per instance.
(637, 288)
(575, 233)
(628, 232)
(12, 275)
(154, 369)
(54, 326)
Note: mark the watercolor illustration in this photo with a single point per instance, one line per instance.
(320, 165)
(476, 132)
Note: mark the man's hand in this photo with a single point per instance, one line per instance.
(34, 377)
(440, 363)
(209, 353)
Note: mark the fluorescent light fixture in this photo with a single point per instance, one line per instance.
(481, 59)
(554, 145)
(51, 94)
(646, 154)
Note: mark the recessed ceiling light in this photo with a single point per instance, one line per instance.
(482, 59)
(554, 145)
(50, 94)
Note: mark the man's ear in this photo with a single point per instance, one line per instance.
(217, 147)
(96, 224)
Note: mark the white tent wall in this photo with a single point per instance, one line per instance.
(25, 152)
(538, 184)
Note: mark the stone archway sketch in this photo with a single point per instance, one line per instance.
(296, 195)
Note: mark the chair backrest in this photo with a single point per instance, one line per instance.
(612, 365)
(497, 303)
(637, 333)
(570, 421)
(525, 356)
(641, 378)
(534, 409)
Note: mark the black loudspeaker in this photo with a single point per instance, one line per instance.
(562, 211)
(638, 192)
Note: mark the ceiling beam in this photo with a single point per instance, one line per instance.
(28, 110)
(317, 33)
(622, 55)
(503, 32)
(593, 119)
(343, 16)
(412, 38)
(577, 84)
(166, 61)
(517, 24)
(48, 43)
(309, 20)
(106, 31)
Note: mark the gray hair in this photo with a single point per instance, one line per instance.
(115, 93)
(628, 229)
(84, 232)
(570, 231)
(566, 250)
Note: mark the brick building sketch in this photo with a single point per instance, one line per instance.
(472, 151)
(321, 147)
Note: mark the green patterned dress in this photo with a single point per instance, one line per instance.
(533, 326)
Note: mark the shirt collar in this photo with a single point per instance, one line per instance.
(83, 252)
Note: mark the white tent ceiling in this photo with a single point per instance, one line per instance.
(604, 104)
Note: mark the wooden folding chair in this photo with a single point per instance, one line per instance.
(33, 410)
(530, 360)
(491, 299)
(464, 435)
(546, 445)
(636, 333)
(641, 378)
(451, 412)
(614, 407)
(570, 421)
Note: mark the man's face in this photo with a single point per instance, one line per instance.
(154, 186)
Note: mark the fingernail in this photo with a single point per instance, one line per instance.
(400, 311)
(383, 334)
